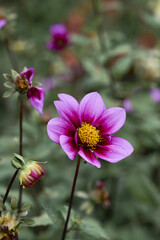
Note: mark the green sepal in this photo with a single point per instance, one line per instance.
(25, 68)
(17, 161)
(8, 77)
(28, 221)
(7, 94)
(14, 203)
(19, 157)
(37, 84)
(25, 207)
(9, 84)
(14, 74)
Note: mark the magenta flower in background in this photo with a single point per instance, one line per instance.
(3, 22)
(128, 105)
(85, 128)
(35, 94)
(49, 83)
(155, 94)
(59, 37)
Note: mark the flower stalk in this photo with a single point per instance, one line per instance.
(20, 147)
(71, 198)
(9, 186)
(20, 151)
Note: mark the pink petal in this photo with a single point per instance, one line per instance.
(57, 127)
(88, 156)
(38, 101)
(29, 73)
(69, 146)
(111, 120)
(58, 29)
(91, 107)
(116, 149)
(67, 108)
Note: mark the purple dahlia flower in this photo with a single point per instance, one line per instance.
(35, 94)
(3, 22)
(155, 94)
(60, 37)
(85, 128)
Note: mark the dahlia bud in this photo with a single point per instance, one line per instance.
(30, 173)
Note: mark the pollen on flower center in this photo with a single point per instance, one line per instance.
(89, 135)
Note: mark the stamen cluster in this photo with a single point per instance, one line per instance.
(89, 135)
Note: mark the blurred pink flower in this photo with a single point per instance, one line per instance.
(85, 128)
(128, 105)
(49, 83)
(3, 22)
(155, 94)
(59, 37)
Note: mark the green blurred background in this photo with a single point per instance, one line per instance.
(115, 50)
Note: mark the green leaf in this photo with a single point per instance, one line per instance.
(28, 221)
(92, 228)
(14, 203)
(26, 207)
(55, 215)
(122, 66)
(42, 220)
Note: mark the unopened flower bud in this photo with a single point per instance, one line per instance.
(30, 173)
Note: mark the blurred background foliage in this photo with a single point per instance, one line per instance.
(115, 50)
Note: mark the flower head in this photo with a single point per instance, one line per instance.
(8, 225)
(22, 83)
(155, 94)
(85, 128)
(35, 94)
(100, 195)
(60, 37)
(30, 173)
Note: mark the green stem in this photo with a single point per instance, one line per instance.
(20, 147)
(71, 198)
(20, 152)
(9, 186)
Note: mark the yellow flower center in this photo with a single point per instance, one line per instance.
(22, 84)
(89, 135)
